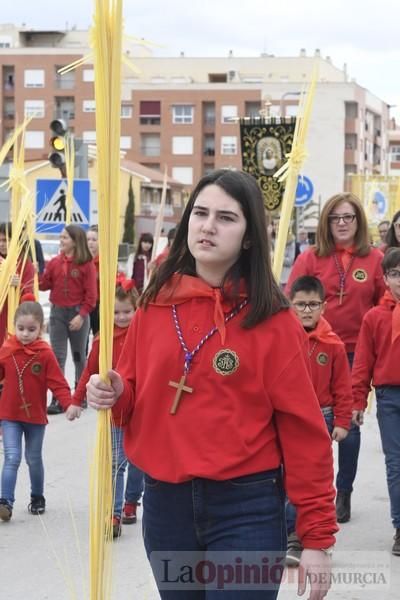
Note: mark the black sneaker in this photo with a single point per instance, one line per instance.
(37, 505)
(294, 550)
(54, 408)
(5, 510)
(396, 545)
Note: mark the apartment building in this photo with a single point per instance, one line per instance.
(183, 112)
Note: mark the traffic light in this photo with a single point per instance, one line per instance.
(57, 142)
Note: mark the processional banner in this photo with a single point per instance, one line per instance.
(265, 144)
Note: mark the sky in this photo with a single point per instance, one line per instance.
(364, 34)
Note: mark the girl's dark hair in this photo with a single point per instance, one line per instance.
(145, 237)
(6, 229)
(253, 264)
(391, 239)
(30, 309)
(81, 252)
(307, 284)
(132, 295)
(391, 260)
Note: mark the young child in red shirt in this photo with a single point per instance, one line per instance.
(29, 368)
(377, 362)
(330, 374)
(126, 297)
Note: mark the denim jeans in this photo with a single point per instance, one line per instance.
(388, 414)
(241, 517)
(348, 452)
(290, 509)
(134, 482)
(13, 431)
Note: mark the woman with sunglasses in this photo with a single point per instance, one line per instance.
(351, 273)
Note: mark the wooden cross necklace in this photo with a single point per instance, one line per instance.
(342, 276)
(20, 372)
(180, 385)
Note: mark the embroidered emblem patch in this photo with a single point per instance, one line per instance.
(322, 358)
(36, 368)
(360, 275)
(75, 273)
(225, 362)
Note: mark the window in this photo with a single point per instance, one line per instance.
(34, 108)
(150, 112)
(150, 144)
(126, 111)
(182, 144)
(229, 144)
(228, 113)
(89, 137)
(125, 142)
(217, 78)
(5, 41)
(34, 78)
(183, 174)
(89, 106)
(34, 139)
(88, 74)
(395, 153)
(182, 114)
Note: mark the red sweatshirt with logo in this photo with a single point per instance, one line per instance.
(364, 286)
(330, 372)
(377, 355)
(70, 284)
(39, 372)
(252, 406)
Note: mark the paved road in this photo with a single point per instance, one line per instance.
(46, 558)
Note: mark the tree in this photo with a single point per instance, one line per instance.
(129, 221)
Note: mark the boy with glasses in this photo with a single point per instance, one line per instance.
(377, 362)
(330, 374)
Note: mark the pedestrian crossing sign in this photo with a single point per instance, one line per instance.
(50, 204)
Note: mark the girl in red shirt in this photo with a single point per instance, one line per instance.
(126, 298)
(214, 389)
(29, 369)
(71, 279)
(351, 273)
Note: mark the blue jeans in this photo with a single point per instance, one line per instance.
(134, 483)
(388, 414)
(12, 442)
(290, 509)
(348, 452)
(212, 519)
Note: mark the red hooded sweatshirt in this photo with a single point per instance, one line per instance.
(363, 288)
(39, 372)
(330, 372)
(251, 408)
(377, 356)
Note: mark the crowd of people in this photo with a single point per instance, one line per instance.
(213, 417)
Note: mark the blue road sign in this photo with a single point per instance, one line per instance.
(304, 191)
(51, 204)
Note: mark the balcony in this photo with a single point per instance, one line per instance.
(64, 113)
(64, 83)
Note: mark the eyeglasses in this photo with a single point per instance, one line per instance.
(393, 274)
(313, 305)
(335, 219)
